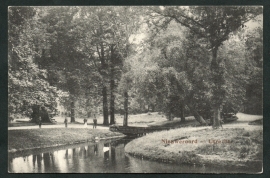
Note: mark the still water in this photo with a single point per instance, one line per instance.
(102, 157)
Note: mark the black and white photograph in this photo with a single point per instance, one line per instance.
(135, 89)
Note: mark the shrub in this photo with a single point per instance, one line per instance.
(244, 151)
(246, 134)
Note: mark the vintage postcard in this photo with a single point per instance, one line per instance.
(135, 89)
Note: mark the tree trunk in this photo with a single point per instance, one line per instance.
(105, 106)
(41, 112)
(125, 123)
(72, 111)
(112, 119)
(216, 120)
(217, 80)
(197, 116)
(182, 113)
(153, 107)
(35, 114)
(45, 115)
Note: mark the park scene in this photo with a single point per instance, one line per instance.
(135, 89)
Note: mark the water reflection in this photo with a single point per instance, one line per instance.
(103, 157)
(112, 153)
(98, 157)
(95, 149)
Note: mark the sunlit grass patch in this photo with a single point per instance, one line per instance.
(32, 138)
(228, 145)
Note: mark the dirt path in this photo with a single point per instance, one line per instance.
(56, 126)
(243, 120)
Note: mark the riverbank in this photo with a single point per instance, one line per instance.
(230, 146)
(26, 139)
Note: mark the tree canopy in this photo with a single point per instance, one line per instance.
(178, 60)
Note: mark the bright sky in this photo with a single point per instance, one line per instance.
(136, 39)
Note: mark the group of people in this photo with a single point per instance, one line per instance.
(85, 122)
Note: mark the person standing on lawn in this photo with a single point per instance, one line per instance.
(39, 121)
(95, 121)
(65, 121)
(85, 122)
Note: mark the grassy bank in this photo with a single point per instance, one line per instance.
(176, 122)
(221, 147)
(133, 120)
(40, 138)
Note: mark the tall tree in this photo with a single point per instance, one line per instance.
(109, 43)
(183, 53)
(132, 21)
(100, 48)
(28, 84)
(60, 56)
(214, 24)
(172, 73)
(254, 70)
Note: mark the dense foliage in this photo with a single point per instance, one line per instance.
(28, 83)
(176, 60)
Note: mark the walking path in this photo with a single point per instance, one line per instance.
(60, 124)
(56, 126)
(242, 121)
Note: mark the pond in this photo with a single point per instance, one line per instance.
(101, 157)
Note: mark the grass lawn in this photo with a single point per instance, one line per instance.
(39, 138)
(176, 122)
(134, 120)
(138, 120)
(202, 145)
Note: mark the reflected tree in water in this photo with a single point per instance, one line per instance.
(39, 158)
(46, 161)
(113, 157)
(34, 160)
(95, 149)
(66, 155)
